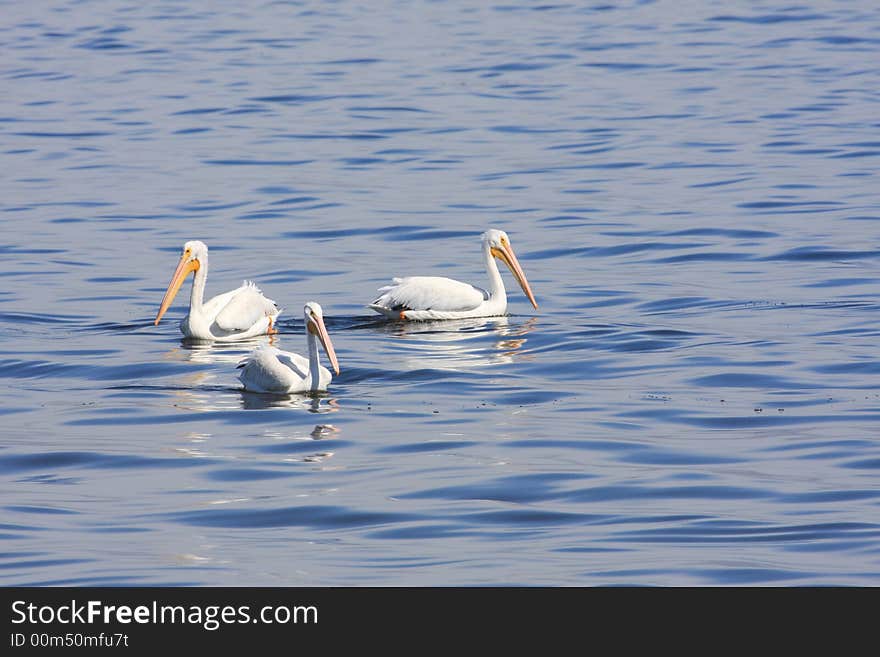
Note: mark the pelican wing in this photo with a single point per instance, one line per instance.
(268, 369)
(242, 309)
(430, 293)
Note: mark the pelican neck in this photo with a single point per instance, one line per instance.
(200, 276)
(496, 283)
(314, 364)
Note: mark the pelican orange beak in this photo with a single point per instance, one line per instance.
(506, 255)
(184, 267)
(316, 327)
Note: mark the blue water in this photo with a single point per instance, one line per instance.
(692, 194)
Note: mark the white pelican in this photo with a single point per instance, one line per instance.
(436, 297)
(236, 315)
(268, 369)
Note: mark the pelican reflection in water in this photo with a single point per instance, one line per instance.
(459, 344)
(258, 401)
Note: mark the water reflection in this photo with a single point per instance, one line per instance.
(203, 394)
(212, 353)
(198, 444)
(321, 432)
(312, 402)
(460, 344)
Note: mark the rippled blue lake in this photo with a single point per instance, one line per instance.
(691, 191)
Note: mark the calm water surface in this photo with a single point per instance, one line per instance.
(692, 194)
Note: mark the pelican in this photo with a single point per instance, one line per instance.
(436, 297)
(268, 369)
(236, 315)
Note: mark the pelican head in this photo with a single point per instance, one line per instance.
(314, 317)
(499, 246)
(194, 254)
